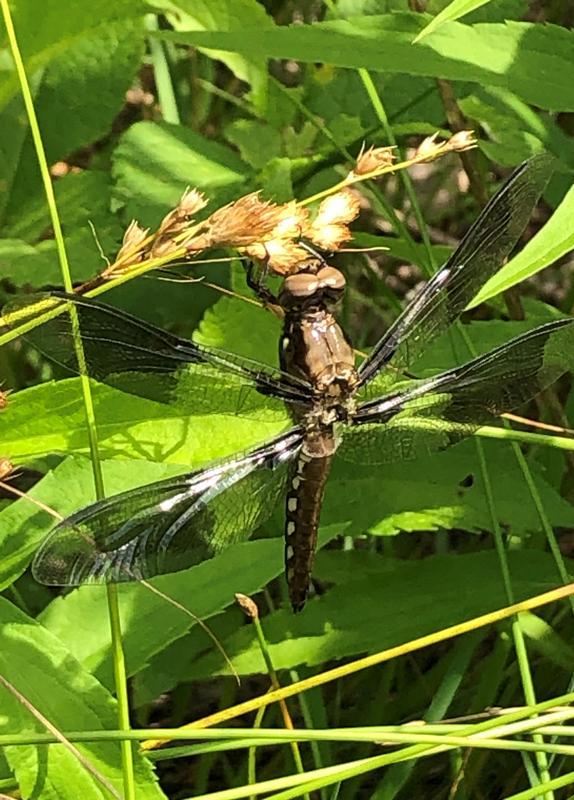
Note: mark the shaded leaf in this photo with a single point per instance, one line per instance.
(531, 60)
(83, 201)
(80, 68)
(226, 15)
(371, 613)
(41, 668)
(155, 162)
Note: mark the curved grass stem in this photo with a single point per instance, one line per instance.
(119, 666)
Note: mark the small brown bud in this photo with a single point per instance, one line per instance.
(250, 220)
(6, 468)
(3, 400)
(247, 605)
(373, 159)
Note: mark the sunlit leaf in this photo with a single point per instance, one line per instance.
(455, 10)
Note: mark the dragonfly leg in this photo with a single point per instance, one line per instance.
(255, 278)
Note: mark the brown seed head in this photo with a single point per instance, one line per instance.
(3, 400)
(250, 220)
(373, 159)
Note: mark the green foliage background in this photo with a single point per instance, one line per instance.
(232, 96)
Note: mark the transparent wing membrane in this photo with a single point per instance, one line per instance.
(169, 525)
(477, 258)
(129, 354)
(440, 411)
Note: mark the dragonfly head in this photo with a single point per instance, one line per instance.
(306, 289)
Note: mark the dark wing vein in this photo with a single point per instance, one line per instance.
(477, 258)
(435, 413)
(169, 525)
(132, 355)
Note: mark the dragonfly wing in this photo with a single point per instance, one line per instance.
(435, 413)
(477, 258)
(169, 525)
(130, 354)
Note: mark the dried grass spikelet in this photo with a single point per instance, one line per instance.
(430, 148)
(130, 252)
(262, 229)
(338, 209)
(249, 220)
(461, 141)
(3, 400)
(373, 159)
(283, 256)
(330, 237)
(329, 229)
(6, 468)
(176, 221)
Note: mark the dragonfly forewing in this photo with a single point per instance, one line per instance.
(136, 357)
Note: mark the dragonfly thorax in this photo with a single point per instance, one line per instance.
(315, 349)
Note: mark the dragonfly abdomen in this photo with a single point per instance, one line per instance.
(304, 500)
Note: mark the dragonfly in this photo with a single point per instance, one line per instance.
(372, 414)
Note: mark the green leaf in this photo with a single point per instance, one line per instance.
(531, 60)
(376, 611)
(83, 201)
(452, 12)
(150, 622)
(257, 142)
(40, 667)
(384, 501)
(241, 328)
(432, 493)
(399, 248)
(550, 243)
(515, 130)
(155, 163)
(226, 15)
(50, 418)
(546, 640)
(80, 69)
